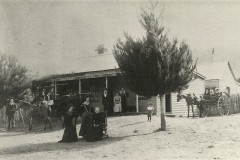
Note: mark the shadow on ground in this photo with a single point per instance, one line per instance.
(37, 129)
(133, 124)
(53, 146)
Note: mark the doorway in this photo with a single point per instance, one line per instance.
(168, 103)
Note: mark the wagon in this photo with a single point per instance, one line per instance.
(219, 101)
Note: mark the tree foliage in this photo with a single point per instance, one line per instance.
(153, 65)
(14, 80)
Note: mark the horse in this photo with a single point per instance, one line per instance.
(36, 111)
(190, 100)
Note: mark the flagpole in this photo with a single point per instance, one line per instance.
(212, 55)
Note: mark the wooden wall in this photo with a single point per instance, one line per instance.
(234, 103)
(142, 104)
(180, 108)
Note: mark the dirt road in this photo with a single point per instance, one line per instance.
(133, 137)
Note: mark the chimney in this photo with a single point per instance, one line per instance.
(100, 49)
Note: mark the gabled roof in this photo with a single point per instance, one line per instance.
(199, 75)
(215, 70)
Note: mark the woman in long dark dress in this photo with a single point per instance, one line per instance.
(92, 122)
(70, 132)
(86, 117)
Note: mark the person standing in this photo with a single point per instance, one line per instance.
(106, 101)
(124, 96)
(150, 110)
(10, 112)
(201, 107)
(45, 111)
(70, 132)
(86, 117)
(117, 103)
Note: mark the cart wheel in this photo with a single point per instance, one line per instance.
(224, 105)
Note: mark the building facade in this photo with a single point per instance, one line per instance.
(96, 81)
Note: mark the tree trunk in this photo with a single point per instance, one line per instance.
(162, 115)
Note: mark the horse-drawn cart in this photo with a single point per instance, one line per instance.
(213, 99)
(221, 102)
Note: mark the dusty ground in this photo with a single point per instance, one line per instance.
(132, 137)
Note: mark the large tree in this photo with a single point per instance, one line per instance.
(14, 79)
(153, 65)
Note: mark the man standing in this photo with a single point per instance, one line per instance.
(106, 104)
(124, 96)
(10, 112)
(106, 101)
(45, 111)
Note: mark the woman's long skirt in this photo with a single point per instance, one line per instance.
(70, 135)
(86, 123)
(117, 107)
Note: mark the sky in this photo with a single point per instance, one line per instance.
(50, 36)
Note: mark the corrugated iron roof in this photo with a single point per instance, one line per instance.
(80, 66)
(106, 61)
(87, 64)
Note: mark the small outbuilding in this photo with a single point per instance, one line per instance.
(210, 75)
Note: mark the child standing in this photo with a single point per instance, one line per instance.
(150, 110)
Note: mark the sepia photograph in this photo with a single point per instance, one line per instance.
(119, 79)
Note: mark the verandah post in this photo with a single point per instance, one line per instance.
(106, 81)
(79, 87)
(55, 90)
(162, 114)
(137, 110)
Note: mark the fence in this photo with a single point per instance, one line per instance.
(234, 103)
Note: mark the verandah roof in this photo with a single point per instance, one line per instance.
(81, 75)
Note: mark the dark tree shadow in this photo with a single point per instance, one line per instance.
(133, 124)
